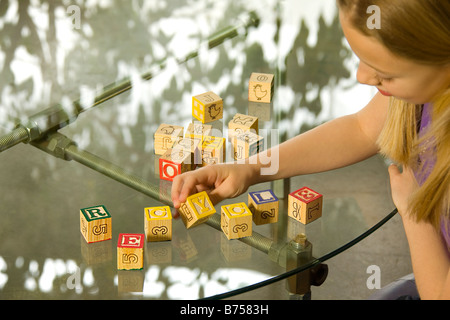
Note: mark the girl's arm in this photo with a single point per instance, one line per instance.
(429, 256)
(335, 144)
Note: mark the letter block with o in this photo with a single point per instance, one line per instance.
(158, 223)
(130, 251)
(196, 210)
(236, 220)
(95, 224)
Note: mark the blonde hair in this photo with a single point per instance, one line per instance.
(418, 30)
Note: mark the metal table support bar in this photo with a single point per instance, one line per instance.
(58, 116)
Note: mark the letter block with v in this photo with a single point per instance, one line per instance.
(196, 210)
(95, 224)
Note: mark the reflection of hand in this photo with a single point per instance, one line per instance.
(403, 185)
(220, 181)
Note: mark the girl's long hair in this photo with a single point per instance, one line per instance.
(418, 30)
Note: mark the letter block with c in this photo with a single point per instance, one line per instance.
(158, 223)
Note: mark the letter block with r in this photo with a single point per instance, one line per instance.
(95, 224)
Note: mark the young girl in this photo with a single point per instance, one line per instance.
(408, 60)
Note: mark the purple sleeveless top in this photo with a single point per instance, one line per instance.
(428, 159)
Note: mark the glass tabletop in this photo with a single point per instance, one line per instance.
(84, 87)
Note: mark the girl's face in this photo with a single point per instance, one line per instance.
(393, 75)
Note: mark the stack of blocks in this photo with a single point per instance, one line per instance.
(305, 205)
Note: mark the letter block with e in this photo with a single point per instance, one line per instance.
(95, 224)
(158, 223)
(236, 220)
(264, 206)
(196, 210)
(305, 205)
(130, 251)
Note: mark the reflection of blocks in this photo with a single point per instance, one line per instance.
(174, 162)
(196, 210)
(213, 150)
(236, 220)
(165, 137)
(305, 205)
(95, 224)
(246, 144)
(130, 251)
(158, 223)
(264, 206)
(198, 130)
(207, 107)
(242, 123)
(260, 87)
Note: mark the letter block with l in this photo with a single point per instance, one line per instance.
(95, 224)
(196, 210)
(264, 206)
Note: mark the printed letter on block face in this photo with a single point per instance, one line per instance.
(158, 223)
(95, 224)
(264, 206)
(207, 107)
(196, 210)
(130, 251)
(174, 162)
(305, 205)
(236, 220)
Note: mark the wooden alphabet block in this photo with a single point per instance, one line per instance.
(246, 144)
(213, 150)
(207, 107)
(236, 220)
(242, 123)
(196, 210)
(260, 87)
(191, 145)
(130, 251)
(158, 223)
(165, 137)
(305, 205)
(197, 130)
(95, 224)
(174, 162)
(264, 206)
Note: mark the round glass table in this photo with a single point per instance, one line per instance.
(85, 87)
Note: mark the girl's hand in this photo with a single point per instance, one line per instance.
(220, 181)
(403, 185)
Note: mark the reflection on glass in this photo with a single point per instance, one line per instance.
(56, 52)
